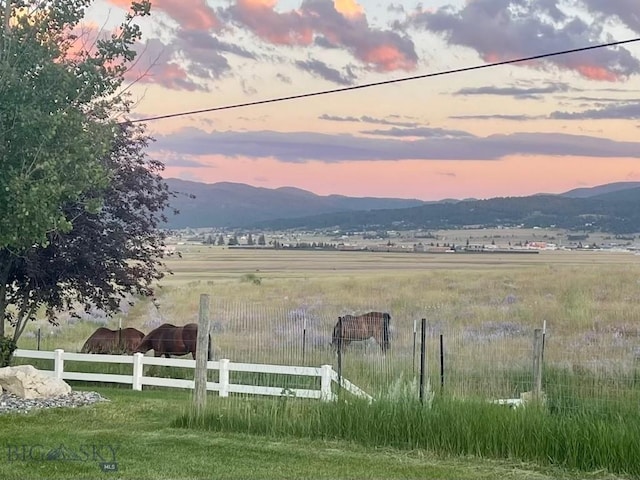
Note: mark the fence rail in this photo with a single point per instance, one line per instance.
(224, 366)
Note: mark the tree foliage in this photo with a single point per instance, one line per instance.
(107, 254)
(57, 100)
(85, 231)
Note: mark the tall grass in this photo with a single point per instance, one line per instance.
(578, 439)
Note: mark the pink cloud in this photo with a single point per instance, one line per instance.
(595, 72)
(510, 29)
(341, 23)
(194, 14)
(168, 75)
(387, 58)
(279, 28)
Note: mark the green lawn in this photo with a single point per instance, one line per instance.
(136, 425)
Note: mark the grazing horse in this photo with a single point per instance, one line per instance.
(351, 328)
(170, 340)
(108, 341)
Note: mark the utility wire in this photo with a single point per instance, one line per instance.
(384, 82)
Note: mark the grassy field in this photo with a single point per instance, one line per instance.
(485, 306)
(138, 428)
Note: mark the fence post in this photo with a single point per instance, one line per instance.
(544, 334)
(58, 362)
(137, 371)
(304, 338)
(325, 383)
(537, 363)
(38, 338)
(200, 380)
(414, 345)
(339, 348)
(224, 378)
(423, 357)
(441, 363)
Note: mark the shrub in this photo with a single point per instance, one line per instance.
(7, 347)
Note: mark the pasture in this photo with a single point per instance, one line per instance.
(270, 306)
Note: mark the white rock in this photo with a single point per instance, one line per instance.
(26, 381)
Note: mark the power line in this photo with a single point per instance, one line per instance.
(384, 82)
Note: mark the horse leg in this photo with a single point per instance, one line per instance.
(380, 342)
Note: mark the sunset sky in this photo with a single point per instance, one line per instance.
(546, 126)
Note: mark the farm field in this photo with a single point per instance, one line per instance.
(484, 305)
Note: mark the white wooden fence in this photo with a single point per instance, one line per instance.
(137, 379)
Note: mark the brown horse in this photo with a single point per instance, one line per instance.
(108, 341)
(170, 340)
(355, 328)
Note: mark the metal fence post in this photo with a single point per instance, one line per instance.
(537, 363)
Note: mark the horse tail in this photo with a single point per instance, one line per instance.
(386, 319)
(335, 337)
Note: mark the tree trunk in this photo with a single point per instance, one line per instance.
(7, 15)
(23, 318)
(5, 262)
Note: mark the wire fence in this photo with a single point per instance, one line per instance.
(487, 359)
(467, 354)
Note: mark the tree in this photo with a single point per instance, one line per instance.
(261, 240)
(80, 203)
(220, 239)
(56, 109)
(250, 240)
(106, 255)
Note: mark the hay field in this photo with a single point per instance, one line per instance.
(200, 262)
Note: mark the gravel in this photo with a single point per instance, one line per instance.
(10, 403)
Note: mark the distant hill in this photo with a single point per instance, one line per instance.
(612, 208)
(228, 204)
(599, 190)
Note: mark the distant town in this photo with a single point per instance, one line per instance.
(472, 240)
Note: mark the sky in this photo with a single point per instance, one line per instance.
(544, 126)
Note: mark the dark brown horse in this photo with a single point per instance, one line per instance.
(351, 329)
(170, 340)
(108, 341)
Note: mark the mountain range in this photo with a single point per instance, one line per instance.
(612, 208)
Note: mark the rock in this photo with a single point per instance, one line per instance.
(25, 381)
